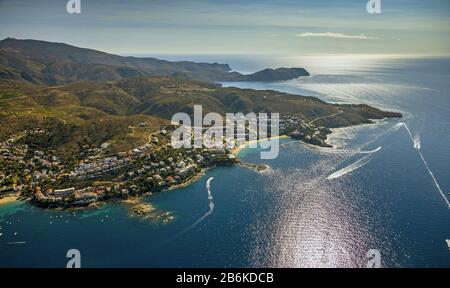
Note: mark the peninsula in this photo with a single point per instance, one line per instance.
(81, 126)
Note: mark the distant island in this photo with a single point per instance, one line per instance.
(81, 126)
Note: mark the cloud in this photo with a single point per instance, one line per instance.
(335, 35)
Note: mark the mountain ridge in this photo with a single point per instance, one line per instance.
(91, 103)
(54, 63)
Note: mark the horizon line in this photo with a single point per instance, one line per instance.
(232, 53)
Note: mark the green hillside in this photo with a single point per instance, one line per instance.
(84, 97)
(49, 63)
(95, 112)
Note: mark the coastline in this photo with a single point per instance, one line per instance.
(9, 199)
(132, 200)
(189, 181)
(238, 149)
(340, 135)
(332, 137)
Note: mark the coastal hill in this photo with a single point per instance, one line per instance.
(49, 63)
(279, 74)
(93, 112)
(81, 126)
(88, 97)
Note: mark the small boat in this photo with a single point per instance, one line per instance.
(448, 243)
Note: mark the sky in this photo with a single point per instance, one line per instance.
(283, 27)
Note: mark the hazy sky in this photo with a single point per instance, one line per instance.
(292, 27)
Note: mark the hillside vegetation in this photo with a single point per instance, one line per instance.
(86, 97)
(49, 63)
(95, 112)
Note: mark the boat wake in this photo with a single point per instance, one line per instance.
(354, 166)
(443, 107)
(199, 220)
(417, 145)
(438, 187)
(350, 151)
(363, 161)
(17, 243)
(388, 132)
(370, 151)
(210, 205)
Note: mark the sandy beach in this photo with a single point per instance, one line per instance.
(8, 199)
(236, 150)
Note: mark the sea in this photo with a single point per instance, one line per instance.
(381, 192)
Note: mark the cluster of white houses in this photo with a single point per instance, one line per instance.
(99, 177)
(126, 171)
(295, 127)
(157, 168)
(70, 196)
(22, 165)
(98, 167)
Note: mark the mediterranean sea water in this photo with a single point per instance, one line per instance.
(383, 186)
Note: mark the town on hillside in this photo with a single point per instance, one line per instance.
(94, 174)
